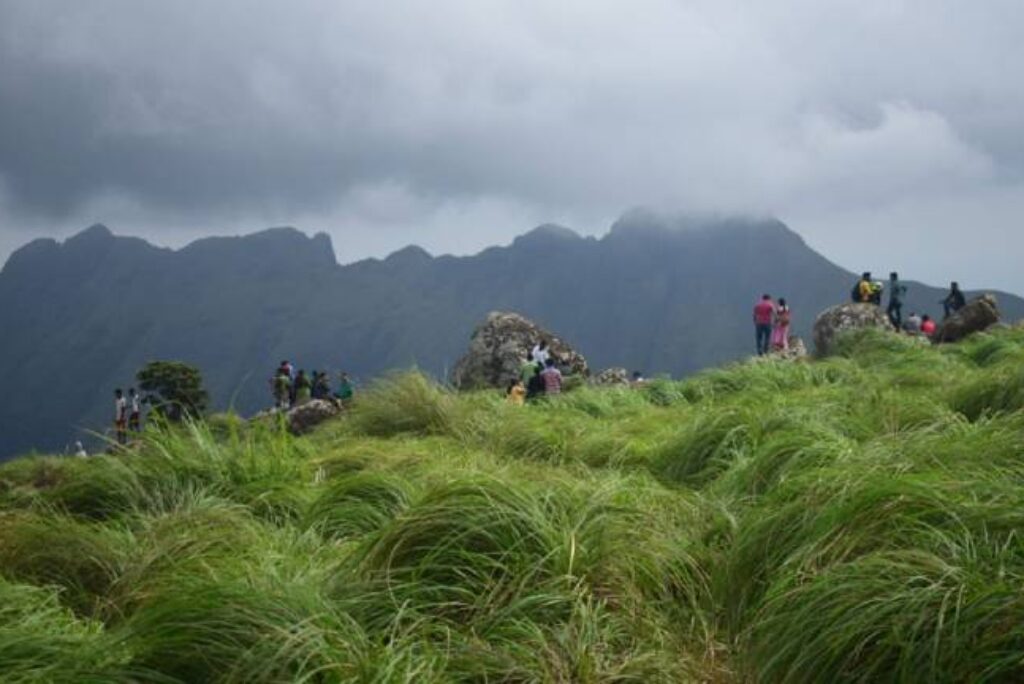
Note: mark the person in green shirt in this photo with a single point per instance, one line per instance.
(346, 390)
(528, 369)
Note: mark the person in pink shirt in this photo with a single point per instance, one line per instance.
(552, 378)
(764, 313)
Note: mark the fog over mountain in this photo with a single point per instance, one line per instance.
(889, 132)
(657, 294)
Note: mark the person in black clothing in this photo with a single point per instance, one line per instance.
(897, 290)
(535, 385)
(954, 301)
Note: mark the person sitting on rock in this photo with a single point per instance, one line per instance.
(541, 353)
(552, 378)
(913, 324)
(927, 325)
(954, 301)
(516, 393)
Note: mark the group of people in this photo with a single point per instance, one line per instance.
(539, 376)
(291, 387)
(771, 325)
(772, 320)
(868, 291)
(127, 414)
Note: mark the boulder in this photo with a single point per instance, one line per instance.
(831, 322)
(612, 376)
(498, 349)
(977, 315)
(302, 419)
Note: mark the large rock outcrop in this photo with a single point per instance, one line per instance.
(977, 315)
(831, 322)
(499, 347)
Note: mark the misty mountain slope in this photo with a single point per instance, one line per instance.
(79, 318)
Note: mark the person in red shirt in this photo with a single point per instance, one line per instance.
(764, 312)
(927, 326)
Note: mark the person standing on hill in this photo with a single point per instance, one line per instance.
(135, 414)
(764, 313)
(954, 301)
(865, 288)
(897, 291)
(282, 387)
(541, 353)
(120, 417)
(780, 331)
(552, 378)
(528, 369)
(346, 390)
(303, 389)
(535, 385)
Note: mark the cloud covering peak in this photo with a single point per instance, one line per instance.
(886, 133)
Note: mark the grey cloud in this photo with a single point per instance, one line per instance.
(456, 124)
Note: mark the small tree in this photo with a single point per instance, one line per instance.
(175, 389)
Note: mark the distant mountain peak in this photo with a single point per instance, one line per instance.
(95, 232)
(547, 233)
(411, 254)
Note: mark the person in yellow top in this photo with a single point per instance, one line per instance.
(866, 288)
(516, 393)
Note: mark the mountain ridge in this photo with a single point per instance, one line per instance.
(659, 295)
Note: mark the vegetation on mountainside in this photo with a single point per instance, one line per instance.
(852, 519)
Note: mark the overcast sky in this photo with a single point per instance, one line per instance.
(889, 133)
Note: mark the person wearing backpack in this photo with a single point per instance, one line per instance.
(780, 331)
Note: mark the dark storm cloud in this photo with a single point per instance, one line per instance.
(457, 123)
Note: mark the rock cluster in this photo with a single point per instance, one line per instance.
(611, 377)
(831, 322)
(977, 315)
(796, 351)
(499, 347)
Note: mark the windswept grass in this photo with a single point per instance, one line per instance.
(853, 519)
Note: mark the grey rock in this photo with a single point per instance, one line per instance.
(498, 349)
(796, 351)
(303, 418)
(611, 377)
(977, 315)
(831, 322)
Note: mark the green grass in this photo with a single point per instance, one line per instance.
(852, 519)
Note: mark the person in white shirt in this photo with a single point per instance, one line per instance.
(80, 451)
(135, 416)
(120, 416)
(541, 354)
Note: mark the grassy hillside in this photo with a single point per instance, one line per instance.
(853, 519)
